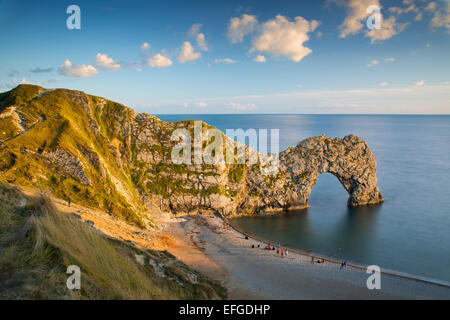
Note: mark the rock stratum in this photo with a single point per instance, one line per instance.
(102, 154)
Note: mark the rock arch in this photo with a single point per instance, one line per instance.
(349, 159)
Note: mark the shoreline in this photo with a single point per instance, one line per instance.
(256, 273)
(357, 266)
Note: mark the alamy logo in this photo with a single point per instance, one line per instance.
(74, 20)
(74, 281)
(375, 19)
(374, 280)
(213, 148)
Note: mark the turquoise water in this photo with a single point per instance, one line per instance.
(410, 232)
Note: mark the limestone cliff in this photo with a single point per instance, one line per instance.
(103, 154)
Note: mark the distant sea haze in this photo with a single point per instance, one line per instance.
(410, 232)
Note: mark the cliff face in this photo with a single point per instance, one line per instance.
(103, 154)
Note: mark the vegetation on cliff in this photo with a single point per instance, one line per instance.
(38, 243)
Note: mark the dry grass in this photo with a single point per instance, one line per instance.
(37, 243)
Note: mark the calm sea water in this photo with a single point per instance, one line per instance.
(410, 232)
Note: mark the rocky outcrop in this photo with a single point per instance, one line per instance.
(349, 159)
(68, 163)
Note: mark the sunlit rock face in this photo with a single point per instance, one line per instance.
(349, 159)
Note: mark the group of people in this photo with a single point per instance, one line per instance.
(282, 251)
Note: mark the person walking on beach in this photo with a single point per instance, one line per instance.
(68, 202)
(282, 254)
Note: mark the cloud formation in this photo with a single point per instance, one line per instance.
(389, 28)
(70, 70)
(240, 27)
(260, 58)
(187, 53)
(281, 37)
(159, 61)
(372, 63)
(357, 14)
(199, 37)
(441, 17)
(105, 62)
(224, 60)
(201, 42)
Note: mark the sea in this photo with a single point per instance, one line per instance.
(409, 232)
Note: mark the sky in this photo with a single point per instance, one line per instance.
(218, 57)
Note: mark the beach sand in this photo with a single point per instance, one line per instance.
(256, 273)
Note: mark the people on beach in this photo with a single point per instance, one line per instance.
(68, 202)
(343, 264)
(312, 259)
(286, 252)
(282, 253)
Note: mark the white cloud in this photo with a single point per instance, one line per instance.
(105, 62)
(387, 60)
(356, 15)
(187, 53)
(441, 18)
(159, 61)
(431, 6)
(242, 107)
(201, 104)
(383, 84)
(201, 42)
(372, 63)
(419, 83)
(224, 60)
(69, 70)
(283, 37)
(389, 28)
(260, 58)
(194, 32)
(239, 27)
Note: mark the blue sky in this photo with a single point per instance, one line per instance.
(199, 56)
